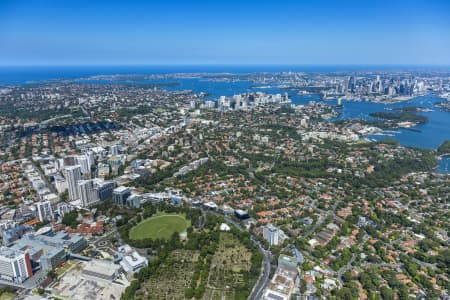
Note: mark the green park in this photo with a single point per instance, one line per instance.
(160, 227)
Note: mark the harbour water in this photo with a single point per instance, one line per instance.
(429, 135)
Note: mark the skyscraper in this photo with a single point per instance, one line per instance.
(88, 194)
(73, 174)
(104, 189)
(83, 161)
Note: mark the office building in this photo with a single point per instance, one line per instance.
(73, 175)
(104, 189)
(15, 265)
(133, 262)
(134, 200)
(120, 195)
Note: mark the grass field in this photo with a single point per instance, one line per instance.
(157, 227)
(7, 296)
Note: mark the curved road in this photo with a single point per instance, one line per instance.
(258, 289)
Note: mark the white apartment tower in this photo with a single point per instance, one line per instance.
(44, 211)
(83, 161)
(271, 234)
(88, 194)
(73, 174)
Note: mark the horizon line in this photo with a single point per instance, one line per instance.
(225, 64)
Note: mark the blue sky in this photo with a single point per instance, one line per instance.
(224, 32)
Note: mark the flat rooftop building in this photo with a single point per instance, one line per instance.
(49, 251)
(15, 265)
(101, 270)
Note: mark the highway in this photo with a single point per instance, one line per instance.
(258, 289)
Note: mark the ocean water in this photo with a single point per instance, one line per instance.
(429, 135)
(444, 165)
(24, 74)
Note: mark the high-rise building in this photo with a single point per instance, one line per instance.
(104, 189)
(60, 184)
(83, 161)
(271, 234)
(115, 149)
(63, 208)
(91, 157)
(88, 194)
(44, 211)
(73, 174)
(15, 265)
(120, 195)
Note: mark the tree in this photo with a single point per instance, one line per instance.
(52, 274)
(70, 219)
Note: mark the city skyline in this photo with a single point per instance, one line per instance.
(204, 33)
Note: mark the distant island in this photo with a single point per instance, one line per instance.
(444, 148)
(400, 117)
(412, 109)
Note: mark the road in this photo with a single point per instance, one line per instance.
(329, 213)
(258, 289)
(346, 267)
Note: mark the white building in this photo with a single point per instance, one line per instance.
(88, 194)
(73, 174)
(44, 211)
(115, 149)
(60, 185)
(63, 208)
(271, 234)
(100, 270)
(131, 260)
(83, 161)
(15, 265)
(102, 170)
